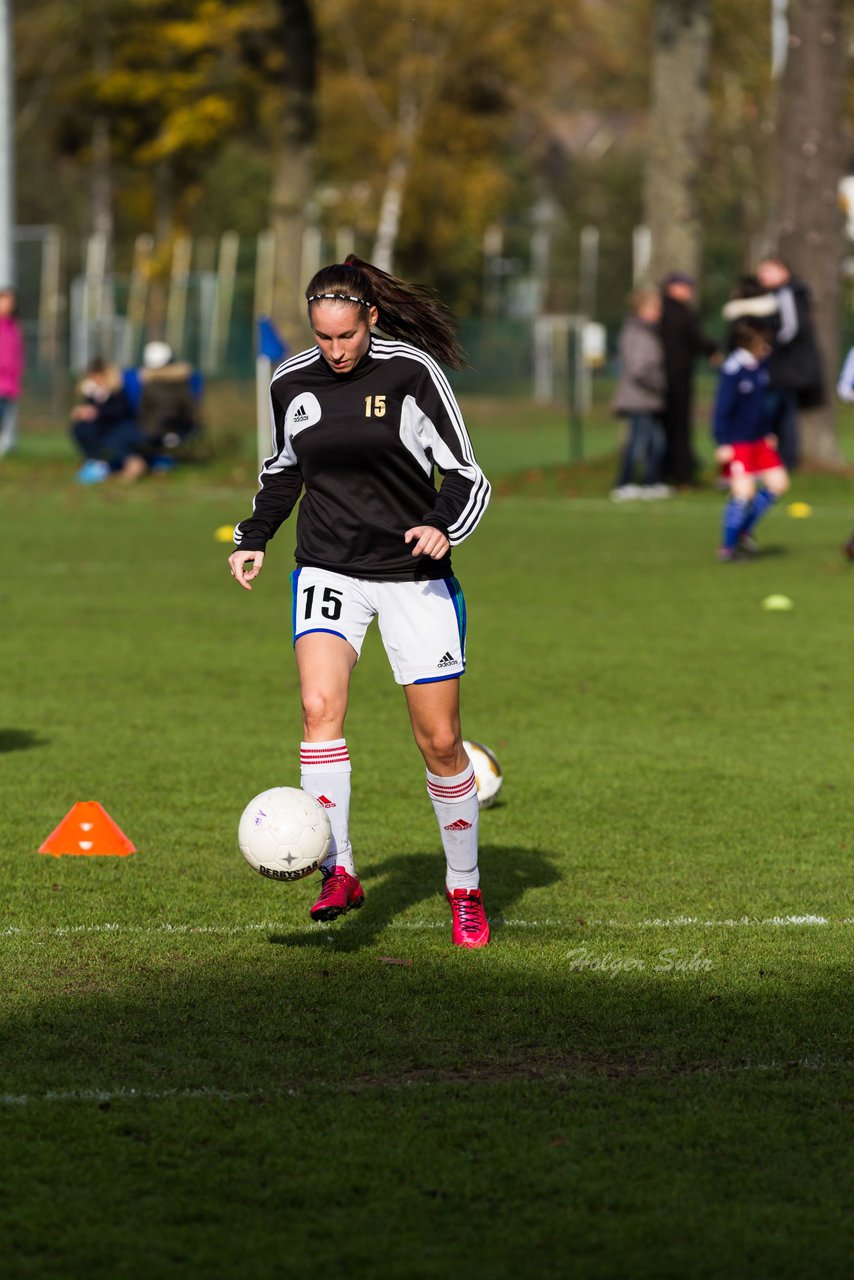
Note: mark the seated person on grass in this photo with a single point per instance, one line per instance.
(746, 450)
(104, 426)
(165, 394)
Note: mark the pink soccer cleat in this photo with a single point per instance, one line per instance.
(341, 892)
(470, 925)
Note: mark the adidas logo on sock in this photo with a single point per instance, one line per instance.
(459, 825)
(326, 802)
(448, 660)
(300, 414)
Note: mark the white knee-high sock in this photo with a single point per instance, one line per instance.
(455, 805)
(325, 774)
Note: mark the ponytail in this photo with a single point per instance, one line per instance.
(410, 312)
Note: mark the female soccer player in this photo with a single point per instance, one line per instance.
(359, 423)
(746, 450)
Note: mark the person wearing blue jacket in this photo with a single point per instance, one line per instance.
(746, 449)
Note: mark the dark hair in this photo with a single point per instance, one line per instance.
(747, 286)
(410, 312)
(747, 330)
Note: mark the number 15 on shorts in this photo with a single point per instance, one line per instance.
(320, 602)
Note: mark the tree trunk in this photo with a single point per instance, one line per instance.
(677, 122)
(164, 233)
(809, 223)
(391, 205)
(291, 188)
(101, 183)
(293, 165)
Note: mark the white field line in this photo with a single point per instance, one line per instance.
(213, 1094)
(508, 922)
(121, 1095)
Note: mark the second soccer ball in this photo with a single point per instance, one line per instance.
(487, 773)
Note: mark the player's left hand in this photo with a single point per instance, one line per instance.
(428, 541)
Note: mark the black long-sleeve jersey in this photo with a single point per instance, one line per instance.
(365, 446)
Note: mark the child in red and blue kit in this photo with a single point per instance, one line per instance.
(746, 450)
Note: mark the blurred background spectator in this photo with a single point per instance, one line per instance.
(11, 369)
(684, 341)
(794, 365)
(165, 395)
(104, 427)
(640, 398)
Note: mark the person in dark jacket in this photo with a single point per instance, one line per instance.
(169, 392)
(684, 341)
(794, 366)
(165, 395)
(104, 427)
(750, 302)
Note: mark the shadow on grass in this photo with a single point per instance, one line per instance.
(20, 740)
(512, 1081)
(238, 1014)
(771, 552)
(400, 882)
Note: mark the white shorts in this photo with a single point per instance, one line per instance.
(422, 624)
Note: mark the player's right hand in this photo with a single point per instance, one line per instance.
(724, 454)
(245, 565)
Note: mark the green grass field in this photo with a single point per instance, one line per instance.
(649, 1072)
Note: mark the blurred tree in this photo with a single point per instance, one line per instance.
(808, 224)
(154, 90)
(435, 123)
(677, 126)
(425, 97)
(285, 60)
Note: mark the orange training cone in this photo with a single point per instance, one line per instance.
(87, 828)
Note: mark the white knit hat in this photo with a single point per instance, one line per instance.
(156, 355)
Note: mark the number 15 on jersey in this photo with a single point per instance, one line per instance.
(374, 406)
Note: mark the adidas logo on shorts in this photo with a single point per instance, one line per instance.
(459, 825)
(447, 661)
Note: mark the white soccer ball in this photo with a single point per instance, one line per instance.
(487, 773)
(284, 833)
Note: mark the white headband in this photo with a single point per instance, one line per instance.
(339, 297)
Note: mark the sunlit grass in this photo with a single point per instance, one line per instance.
(646, 1074)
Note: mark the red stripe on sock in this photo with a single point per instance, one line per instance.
(456, 792)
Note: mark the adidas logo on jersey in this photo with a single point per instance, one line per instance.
(448, 661)
(326, 802)
(303, 411)
(459, 825)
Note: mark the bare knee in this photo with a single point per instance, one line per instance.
(442, 751)
(322, 713)
(778, 483)
(743, 490)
